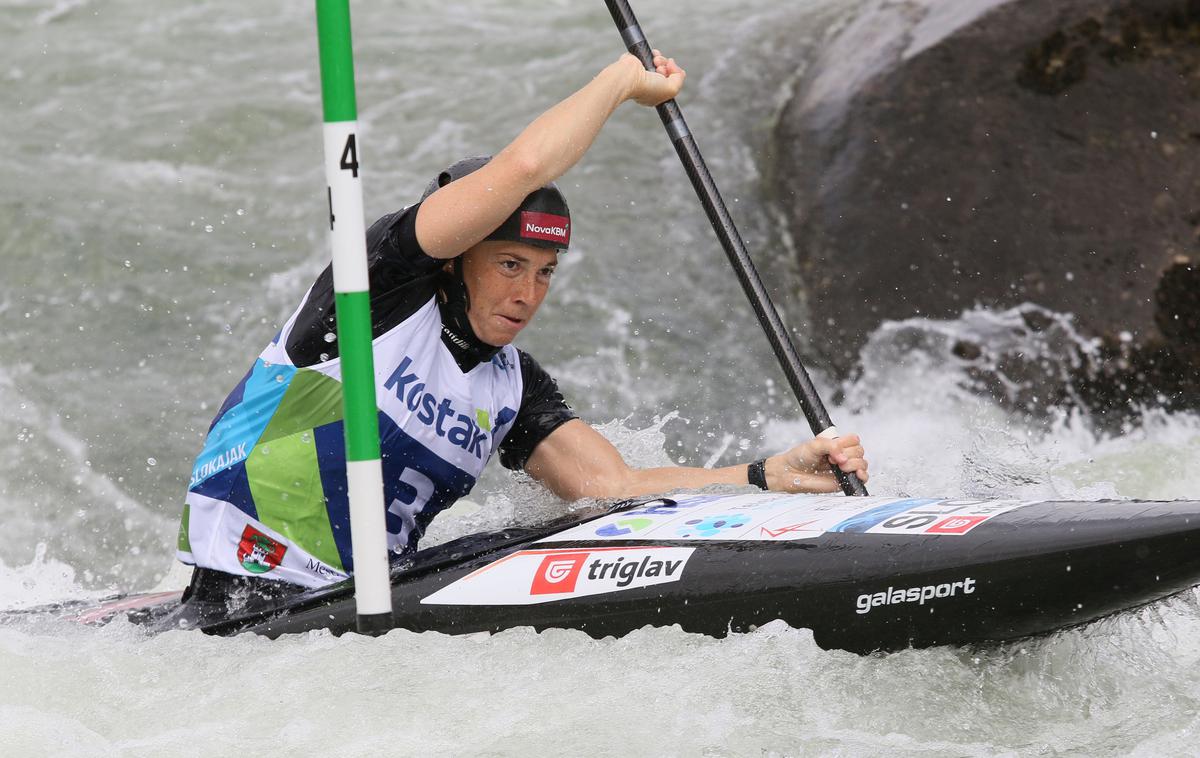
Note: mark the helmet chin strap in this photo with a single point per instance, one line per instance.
(454, 301)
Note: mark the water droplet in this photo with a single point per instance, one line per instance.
(241, 211)
(330, 336)
(208, 227)
(279, 377)
(324, 357)
(151, 462)
(128, 264)
(266, 451)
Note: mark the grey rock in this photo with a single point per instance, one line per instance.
(950, 153)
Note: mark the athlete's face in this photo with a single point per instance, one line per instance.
(507, 281)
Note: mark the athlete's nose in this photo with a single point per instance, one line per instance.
(527, 289)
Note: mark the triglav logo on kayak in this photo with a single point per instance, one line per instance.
(257, 552)
(546, 226)
(560, 573)
(527, 577)
(918, 595)
(557, 574)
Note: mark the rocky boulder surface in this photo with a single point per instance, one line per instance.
(945, 154)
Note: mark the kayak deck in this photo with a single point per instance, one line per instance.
(864, 574)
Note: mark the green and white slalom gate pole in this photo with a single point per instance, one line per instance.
(364, 472)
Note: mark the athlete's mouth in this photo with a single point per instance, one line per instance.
(511, 320)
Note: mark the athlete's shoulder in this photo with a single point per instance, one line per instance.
(529, 365)
(543, 409)
(392, 244)
(539, 390)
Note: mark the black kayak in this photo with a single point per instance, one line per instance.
(864, 574)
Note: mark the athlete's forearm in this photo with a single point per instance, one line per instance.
(576, 461)
(654, 481)
(619, 484)
(557, 139)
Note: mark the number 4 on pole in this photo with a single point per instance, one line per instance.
(350, 156)
(349, 162)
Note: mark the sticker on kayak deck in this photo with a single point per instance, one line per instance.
(759, 517)
(527, 577)
(713, 517)
(928, 517)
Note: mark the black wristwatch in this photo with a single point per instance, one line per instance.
(756, 474)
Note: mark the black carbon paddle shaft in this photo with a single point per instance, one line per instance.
(731, 241)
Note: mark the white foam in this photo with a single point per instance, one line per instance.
(40, 582)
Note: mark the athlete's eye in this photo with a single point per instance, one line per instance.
(547, 272)
(509, 265)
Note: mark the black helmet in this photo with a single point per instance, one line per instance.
(543, 218)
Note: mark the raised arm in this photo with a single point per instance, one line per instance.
(465, 211)
(576, 461)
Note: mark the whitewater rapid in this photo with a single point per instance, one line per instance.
(161, 200)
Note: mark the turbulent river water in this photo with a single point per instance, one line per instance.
(161, 209)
